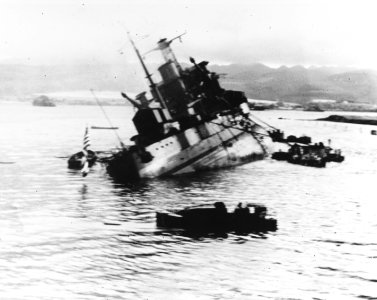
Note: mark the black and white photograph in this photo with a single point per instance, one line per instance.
(188, 149)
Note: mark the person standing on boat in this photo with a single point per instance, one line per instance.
(221, 217)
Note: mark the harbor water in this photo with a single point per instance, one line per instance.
(64, 236)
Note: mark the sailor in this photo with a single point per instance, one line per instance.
(241, 215)
(220, 217)
(241, 210)
(295, 149)
(220, 207)
(322, 150)
(239, 207)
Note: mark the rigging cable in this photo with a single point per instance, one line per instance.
(240, 129)
(253, 133)
(106, 116)
(263, 122)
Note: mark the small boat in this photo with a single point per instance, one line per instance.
(278, 137)
(302, 139)
(76, 160)
(218, 220)
(280, 155)
(316, 155)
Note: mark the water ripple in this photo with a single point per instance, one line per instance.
(63, 236)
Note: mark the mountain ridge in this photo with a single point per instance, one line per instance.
(295, 84)
(300, 84)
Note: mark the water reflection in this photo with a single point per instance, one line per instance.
(84, 191)
(177, 183)
(127, 189)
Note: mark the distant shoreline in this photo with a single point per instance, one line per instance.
(108, 98)
(363, 120)
(69, 102)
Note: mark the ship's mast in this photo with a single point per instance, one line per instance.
(153, 86)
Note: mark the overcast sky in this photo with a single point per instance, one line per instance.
(274, 32)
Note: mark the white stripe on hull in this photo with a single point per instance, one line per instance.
(224, 147)
(244, 150)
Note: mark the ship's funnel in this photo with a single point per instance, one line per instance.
(167, 53)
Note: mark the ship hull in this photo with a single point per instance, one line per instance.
(208, 146)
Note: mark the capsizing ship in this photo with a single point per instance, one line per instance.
(190, 124)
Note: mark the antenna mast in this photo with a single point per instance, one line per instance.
(155, 91)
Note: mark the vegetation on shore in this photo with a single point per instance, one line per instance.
(365, 120)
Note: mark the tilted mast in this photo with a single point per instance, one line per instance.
(156, 93)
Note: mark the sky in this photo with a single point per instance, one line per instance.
(274, 32)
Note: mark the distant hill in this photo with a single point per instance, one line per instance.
(20, 80)
(299, 84)
(258, 81)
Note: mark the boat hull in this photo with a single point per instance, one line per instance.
(208, 220)
(208, 146)
(76, 161)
